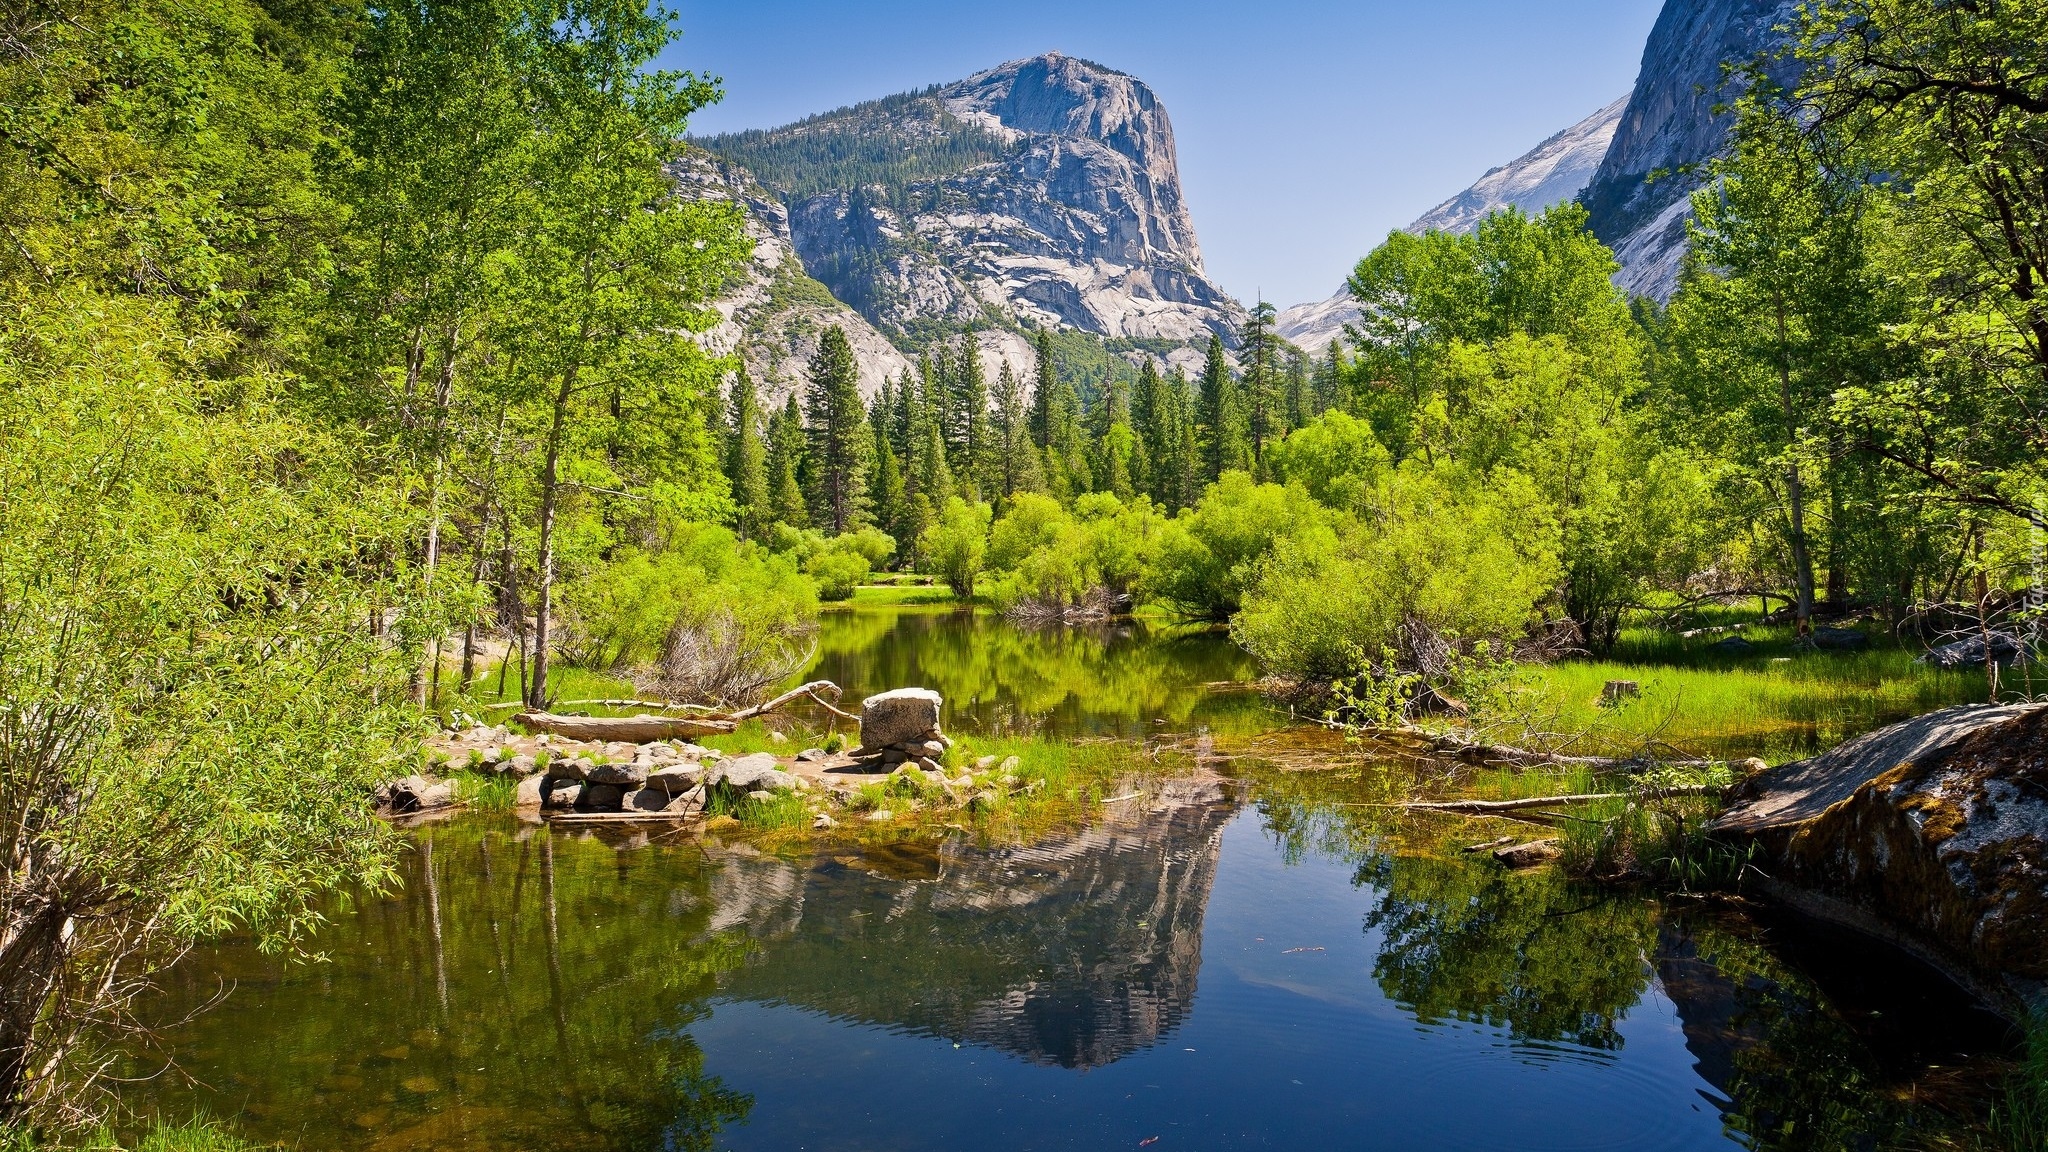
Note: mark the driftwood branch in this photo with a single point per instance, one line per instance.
(642, 729)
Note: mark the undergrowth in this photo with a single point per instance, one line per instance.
(2020, 1118)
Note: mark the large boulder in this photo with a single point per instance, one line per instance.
(1937, 827)
(2004, 648)
(904, 716)
(755, 773)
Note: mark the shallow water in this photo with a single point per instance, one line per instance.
(1256, 963)
(1187, 972)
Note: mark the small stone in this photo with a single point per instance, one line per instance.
(880, 816)
(813, 755)
(532, 792)
(1010, 764)
(760, 796)
(965, 780)
(984, 764)
(927, 764)
(602, 797)
(521, 766)
(561, 793)
(931, 749)
(1008, 781)
(627, 776)
(824, 823)
(760, 771)
(648, 800)
(936, 778)
(777, 738)
(675, 780)
(894, 756)
(984, 800)
(1752, 766)
(911, 771)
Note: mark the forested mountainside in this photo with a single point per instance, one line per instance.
(1671, 125)
(1045, 192)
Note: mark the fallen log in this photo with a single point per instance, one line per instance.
(1494, 807)
(646, 729)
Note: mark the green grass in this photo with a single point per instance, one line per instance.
(564, 683)
(2020, 1118)
(879, 595)
(198, 1136)
(1778, 702)
(486, 793)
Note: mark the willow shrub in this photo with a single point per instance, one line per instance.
(1423, 553)
(195, 692)
(1209, 555)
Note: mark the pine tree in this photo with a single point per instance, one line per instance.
(1149, 420)
(746, 461)
(1259, 354)
(1220, 420)
(1300, 394)
(1180, 469)
(1010, 435)
(1041, 392)
(969, 394)
(1116, 446)
(787, 466)
(837, 430)
(1328, 381)
(888, 471)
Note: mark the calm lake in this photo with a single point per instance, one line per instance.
(1234, 965)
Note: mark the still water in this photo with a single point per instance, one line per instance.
(1244, 963)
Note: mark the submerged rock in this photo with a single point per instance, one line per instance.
(1937, 826)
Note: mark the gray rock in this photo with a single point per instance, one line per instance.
(559, 793)
(415, 794)
(824, 823)
(880, 816)
(1968, 652)
(928, 764)
(602, 797)
(1732, 646)
(984, 800)
(984, 764)
(532, 791)
(894, 756)
(628, 776)
(760, 771)
(1529, 855)
(1010, 764)
(649, 800)
(903, 716)
(931, 749)
(675, 780)
(521, 765)
(1839, 639)
(760, 796)
(813, 755)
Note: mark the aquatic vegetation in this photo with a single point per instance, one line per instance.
(486, 793)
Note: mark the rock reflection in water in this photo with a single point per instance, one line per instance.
(1073, 953)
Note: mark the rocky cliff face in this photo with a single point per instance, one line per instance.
(1078, 220)
(1670, 123)
(774, 313)
(1550, 173)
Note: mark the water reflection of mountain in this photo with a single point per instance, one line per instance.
(1075, 952)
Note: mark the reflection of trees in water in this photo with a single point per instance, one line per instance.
(521, 992)
(1546, 960)
(1074, 952)
(997, 677)
(1519, 951)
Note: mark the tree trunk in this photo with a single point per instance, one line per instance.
(1795, 485)
(537, 688)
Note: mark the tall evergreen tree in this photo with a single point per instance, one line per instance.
(1149, 420)
(1298, 389)
(1117, 452)
(1258, 354)
(787, 466)
(972, 458)
(1010, 435)
(1220, 418)
(838, 436)
(1179, 470)
(1328, 380)
(1042, 391)
(746, 460)
(887, 485)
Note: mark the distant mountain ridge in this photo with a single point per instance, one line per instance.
(1553, 172)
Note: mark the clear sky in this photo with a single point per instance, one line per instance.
(1306, 130)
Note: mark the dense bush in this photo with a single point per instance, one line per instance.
(957, 544)
(1048, 559)
(1423, 560)
(1207, 556)
(1335, 456)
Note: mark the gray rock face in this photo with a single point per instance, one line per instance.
(1082, 224)
(904, 716)
(775, 314)
(1670, 123)
(1553, 172)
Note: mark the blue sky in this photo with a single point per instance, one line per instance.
(1306, 130)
